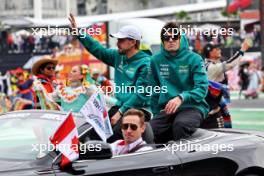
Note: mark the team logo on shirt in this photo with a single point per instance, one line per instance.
(164, 70)
(130, 71)
(183, 68)
(120, 67)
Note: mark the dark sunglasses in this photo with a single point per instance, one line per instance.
(132, 126)
(50, 68)
(173, 37)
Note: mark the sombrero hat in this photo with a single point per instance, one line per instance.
(43, 60)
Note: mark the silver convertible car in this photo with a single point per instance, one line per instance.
(24, 144)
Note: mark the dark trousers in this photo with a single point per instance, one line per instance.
(181, 124)
(147, 136)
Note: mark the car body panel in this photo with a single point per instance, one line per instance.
(248, 152)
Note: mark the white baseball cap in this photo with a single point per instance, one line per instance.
(128, 31)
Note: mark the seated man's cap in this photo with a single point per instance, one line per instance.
(128, 31)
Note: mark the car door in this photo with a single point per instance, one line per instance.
(210, 167)
(148, 163)
(205, 163)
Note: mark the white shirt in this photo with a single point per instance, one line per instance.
(216, 68)
(119, 147)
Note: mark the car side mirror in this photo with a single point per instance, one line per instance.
(95, 150)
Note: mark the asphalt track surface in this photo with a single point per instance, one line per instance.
(247, 114)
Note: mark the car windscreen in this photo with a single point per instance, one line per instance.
(24, 136)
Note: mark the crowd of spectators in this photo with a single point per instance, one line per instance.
(227, 41)
(23, 41)
(28, 43)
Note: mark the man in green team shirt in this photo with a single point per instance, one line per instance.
(182, 109)
(131, 69)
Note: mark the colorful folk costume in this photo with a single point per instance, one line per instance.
(73, 98)
(218, 98)
(45, 101)
(5, 103)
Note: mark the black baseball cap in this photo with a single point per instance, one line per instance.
(209, 47)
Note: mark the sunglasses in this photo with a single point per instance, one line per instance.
(50, 68)
(173, 37)
(132, 126)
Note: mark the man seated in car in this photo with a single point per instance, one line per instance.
(133, 126)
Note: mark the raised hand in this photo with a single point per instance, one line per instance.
(72, 21)
(246, 45)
